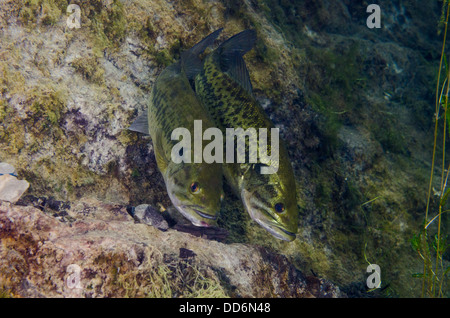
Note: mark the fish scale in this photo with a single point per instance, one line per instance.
(163, 117)
(227, 104)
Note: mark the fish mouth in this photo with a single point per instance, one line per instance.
(195, 208)
(277, 230)
(190, 211)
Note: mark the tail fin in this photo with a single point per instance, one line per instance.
(190, 60)
(231, 52)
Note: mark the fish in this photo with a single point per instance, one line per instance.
(223, 86)
(195, 189)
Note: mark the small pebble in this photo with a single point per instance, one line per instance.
(6, 168)
(12, 189)
(147, 214)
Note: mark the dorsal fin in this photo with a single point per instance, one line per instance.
(140, 124)
(231, 60)
(241, 42)
(190, 60)
(237, 70)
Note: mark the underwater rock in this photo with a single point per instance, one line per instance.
(359, 150)
(90, 257)
(6, 168)
(149, 215)
(12, 189)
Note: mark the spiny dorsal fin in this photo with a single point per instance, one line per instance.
(241, 42)
(231, 60)
(140, 124)
(190, 61)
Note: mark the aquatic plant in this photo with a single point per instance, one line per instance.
(165, 277)
(46, 12)
(435, 276)
(185, 280)
(90, 69)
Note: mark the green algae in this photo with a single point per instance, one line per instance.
(163, 58)
(106, 22)
(90, 69)
(164, 278)
(389, 136)
(4, 110)
(4, 293)
(285, 15)
(46, 12)
(47, 104)
(20, 138)
(38, 131)
(185, 280)
(334, 87)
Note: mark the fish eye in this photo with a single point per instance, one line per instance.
(279, 207)
(194, 187)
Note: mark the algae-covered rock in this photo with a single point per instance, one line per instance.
(94, 257)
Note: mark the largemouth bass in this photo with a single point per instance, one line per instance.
(195, 189)
(224, 87)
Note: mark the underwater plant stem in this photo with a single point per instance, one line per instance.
(434, 218)
(436, 114)
(367, 202)
(443, 182)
